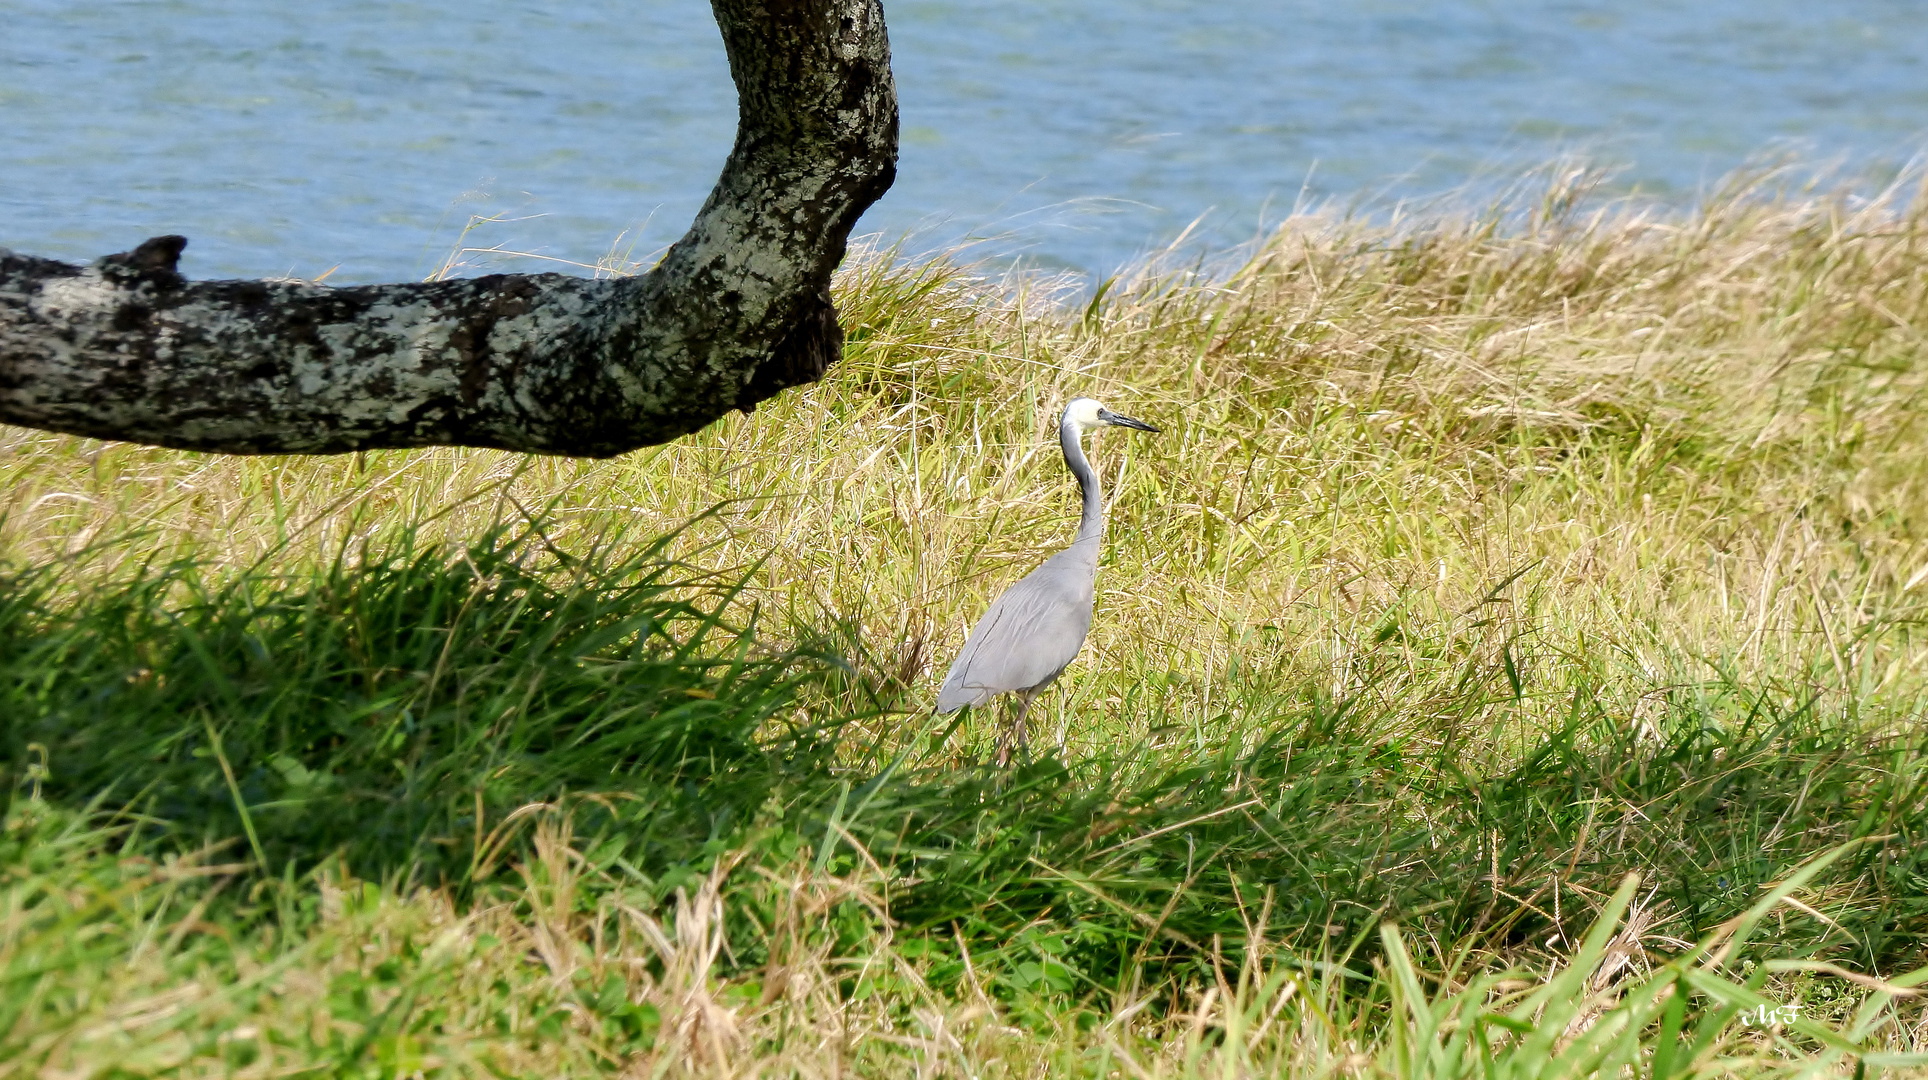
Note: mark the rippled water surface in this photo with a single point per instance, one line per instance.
(292, 138)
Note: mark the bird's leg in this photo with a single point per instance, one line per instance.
(1024, 706)
(1012, 737)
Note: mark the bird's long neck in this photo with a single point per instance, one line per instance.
(1092, 525)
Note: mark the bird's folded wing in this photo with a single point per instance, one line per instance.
(1029, 634)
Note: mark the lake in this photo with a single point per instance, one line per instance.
(291, 139)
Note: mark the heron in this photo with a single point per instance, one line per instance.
(1034, 629)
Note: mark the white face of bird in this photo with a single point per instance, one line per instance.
(1086, 415)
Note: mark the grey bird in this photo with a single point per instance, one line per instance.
(1034, 630)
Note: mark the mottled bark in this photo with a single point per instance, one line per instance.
(738, 310)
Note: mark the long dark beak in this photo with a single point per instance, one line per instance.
(1116, 420)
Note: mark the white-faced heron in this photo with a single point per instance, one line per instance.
(1035, 629)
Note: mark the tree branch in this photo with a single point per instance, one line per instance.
(739, 308)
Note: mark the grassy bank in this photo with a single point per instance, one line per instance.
(1483, 562)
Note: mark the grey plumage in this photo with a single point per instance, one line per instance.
(1033, 631)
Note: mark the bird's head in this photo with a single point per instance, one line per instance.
(1086, 415)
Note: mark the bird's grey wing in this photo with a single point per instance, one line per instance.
(1029, 634)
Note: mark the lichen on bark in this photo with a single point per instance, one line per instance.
(738, 310)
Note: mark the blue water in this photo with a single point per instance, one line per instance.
(294, 138)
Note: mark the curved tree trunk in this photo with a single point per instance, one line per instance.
(739, 308)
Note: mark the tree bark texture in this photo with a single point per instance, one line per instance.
(739, 308)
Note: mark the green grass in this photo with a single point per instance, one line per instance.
(373, 709)
(1484, 562)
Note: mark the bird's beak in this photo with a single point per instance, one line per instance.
(1116, 420)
